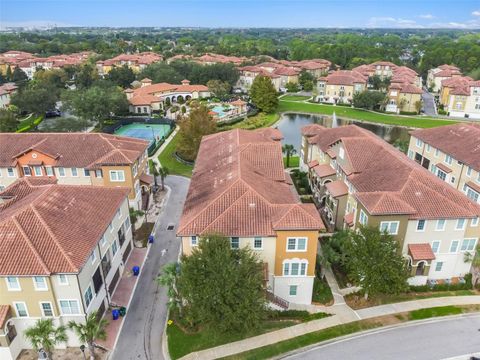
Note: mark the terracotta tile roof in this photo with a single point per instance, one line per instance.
(72, 149)
(459, 141)
(312, 164)
(447, 73)
(239, 188)
(345, 77)
(324, 170)
(474, 186)
(139, 100)
(388, 182)
(349, 218)
(54, 227)
(421, 252)
(311, 130)
(337, 188)
(4, 315)
(146, 179)
(443, 167)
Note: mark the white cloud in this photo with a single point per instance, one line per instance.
(476, 13)
(426, 16)
(391, 22)
(33, 24)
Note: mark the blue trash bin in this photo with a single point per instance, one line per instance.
(151, 239)
(115, 314)
(136, 270)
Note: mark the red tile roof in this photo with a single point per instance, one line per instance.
(4, 315)
(461, 141)
(337, 188)
(345, 77)
(324, 170)
(388, 182)
(421, 252)
(83, 150)
(312, 164)
(239, 188)
(54, 227)
(444, 168)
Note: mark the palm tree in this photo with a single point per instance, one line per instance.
(474, 258)
(163, 172)
(168, 278)
(44, 336)
(288, 150)
(93, 328)
(134, 215)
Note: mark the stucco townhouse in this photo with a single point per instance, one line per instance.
(461, 97)
(360, 180)
(452, 153)
(443, 72)
(62, 252)
(339, 86)
(135, 62)
(78, 159)
(240, 189)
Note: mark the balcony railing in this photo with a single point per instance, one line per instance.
(284, 304)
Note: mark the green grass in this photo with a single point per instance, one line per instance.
(295, 98)
(357, 114)
(434, 312)
(294, 161)
(29, 123)
(321, 292)
(167, 160)
(181, 343)
(260, 120)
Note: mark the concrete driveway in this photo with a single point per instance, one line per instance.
(141, 335)
(429, 107)
(435, 339)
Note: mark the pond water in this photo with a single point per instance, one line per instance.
(290, 125)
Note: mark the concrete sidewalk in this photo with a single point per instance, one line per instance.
(342, 317)
(154, 157)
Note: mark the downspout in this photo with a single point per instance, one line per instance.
(81, 298)
(103, 274)
(461, 174)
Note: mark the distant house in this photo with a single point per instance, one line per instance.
(152, 97)
(461, 97)
(6, 91)
(340, 86)
(403, 97)
(278, 73)
(136, 62)
(436, 75)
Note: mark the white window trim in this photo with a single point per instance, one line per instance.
(472, 224)
(438, 248)
(59, 172)
(294, 261)
(103, 240)
(13, 172)
(444, 225)
(296, 289)
(296, 244)
(441, 267)
(117, 172)
(35, 283)
(16, 310)
(255, 248)
(93, 257)
(24, 172)
(388, 228)
(70, 300)
(360, 217)
(231, 242)
(49, 171)
(456, 249)
(424, 226)
(474, 244)
(191, 241)
(8, 284)
(84, 174)
(463, 227)
(71, 171)
(42, 310)
(114, 242)
(89, 287)
(35, 168)
(60, 281)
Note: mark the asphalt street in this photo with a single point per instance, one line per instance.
(141, 334)
(428, 103)
(439, 339)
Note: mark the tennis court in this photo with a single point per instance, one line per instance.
(144, 131)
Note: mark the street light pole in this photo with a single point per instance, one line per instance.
(82, 349)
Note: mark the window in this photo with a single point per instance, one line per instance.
(474, 222)
(295, 268)
(437, 152)
(49, 171)
(13, 284)
(117, 175)
(341, 153)
(419, 143)
(88, 296)
(74, 172)
(27, 171)
(296, 244)
(293, 290)
(119, 213)
(110, 227)
(460, 224)
(63, 279)
(86, 172)
(448, 159)
(10, 172)
(46, 309)
(441, 174)
(40, 283)
(428, 148)
(438, 266)
(114, 248)
(363, 218)
(126, 223)
(471, 194)
(92, 257)
(469, 171)
(61, 172)
(468, 244)
(21, 309)
(98, 173)
(258, 243)
(421, 225)
(435, 246)
(454, 246)
(440, 225)
(69, 307)
(234, 242)
(390, 227)
(193, 241)
(103, 240)
(38, 171)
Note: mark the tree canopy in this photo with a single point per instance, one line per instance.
(219, 88)
(263, 94)
(371, 100)
(32, 99)
(8, 121)
(121, 75)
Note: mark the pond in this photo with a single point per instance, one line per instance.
(290, 125)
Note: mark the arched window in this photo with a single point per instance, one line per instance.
(295, 267)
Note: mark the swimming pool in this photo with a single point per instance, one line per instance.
(221, 111)
(144, 131)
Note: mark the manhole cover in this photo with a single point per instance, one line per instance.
(170, 227)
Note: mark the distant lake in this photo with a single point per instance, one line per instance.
(290, 124)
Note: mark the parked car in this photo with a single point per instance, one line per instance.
(53, 113)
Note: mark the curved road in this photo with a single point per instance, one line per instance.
(142, 330)
(436, 339)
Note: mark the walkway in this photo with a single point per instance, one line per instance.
(154, 157)
(321, 324)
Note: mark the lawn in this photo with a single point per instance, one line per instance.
(322, 294)
(29, 123)
(434, 312)
(295, 98)
(167, 160)
(294, 162)
(357, 114)
(261, 120)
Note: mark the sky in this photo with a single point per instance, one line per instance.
(464, 14)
